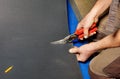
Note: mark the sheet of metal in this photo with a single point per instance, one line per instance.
(26, 29)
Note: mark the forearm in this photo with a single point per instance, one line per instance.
(100, 7)
(109, 41)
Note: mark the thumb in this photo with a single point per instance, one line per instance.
(81, 57)
(86, 34)
(73, 50)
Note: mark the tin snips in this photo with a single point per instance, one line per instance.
(77, 35)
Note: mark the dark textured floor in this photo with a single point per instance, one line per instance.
(26, 29)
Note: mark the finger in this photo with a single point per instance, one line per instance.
(78, 57)
(81, 36)
(93, 25)
(91, 34)
(73, 50)
(93, 31)
(86, 33)
(81, 58)
(79, 32)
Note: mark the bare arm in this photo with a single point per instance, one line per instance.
(112, 40)
(93, 15)
(100, 7)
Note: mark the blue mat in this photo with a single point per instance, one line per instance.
(72, 22)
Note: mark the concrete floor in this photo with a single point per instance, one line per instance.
(26, 29)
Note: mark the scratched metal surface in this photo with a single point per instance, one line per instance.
(26, 29)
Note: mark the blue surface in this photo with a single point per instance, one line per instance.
(72, 22)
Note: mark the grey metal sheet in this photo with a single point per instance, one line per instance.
(26, 29)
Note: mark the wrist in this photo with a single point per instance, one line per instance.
(95, 46)
(94, 16)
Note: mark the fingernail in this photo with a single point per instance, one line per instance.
(71, 50)
(94, 32)
(85, 37)
(91, 34)
(81, 38)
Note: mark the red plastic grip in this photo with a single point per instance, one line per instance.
(91, 31)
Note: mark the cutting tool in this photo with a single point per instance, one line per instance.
(77, 35)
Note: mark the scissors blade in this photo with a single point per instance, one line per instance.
(62, 41)
(67, 39)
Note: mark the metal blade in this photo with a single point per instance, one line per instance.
(67, 39)
(59, 42)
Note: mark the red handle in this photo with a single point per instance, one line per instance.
(91, 31)
(79, 32)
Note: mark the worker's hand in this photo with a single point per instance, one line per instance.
(84, 52)
(86, 23)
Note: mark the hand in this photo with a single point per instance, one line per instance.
(84, 52)
(86, 23)
(92, 31)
